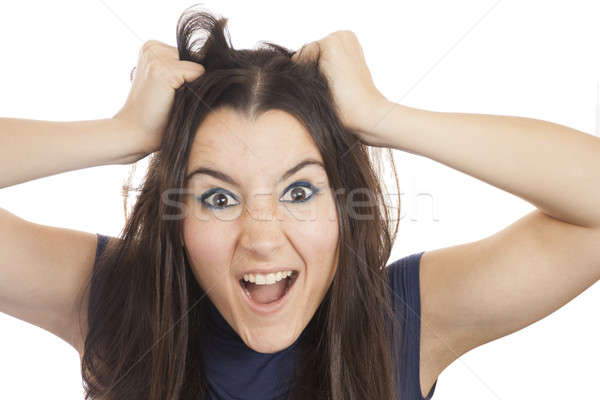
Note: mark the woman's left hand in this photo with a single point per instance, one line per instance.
(360, 105)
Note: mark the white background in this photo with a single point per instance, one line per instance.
(70, 60)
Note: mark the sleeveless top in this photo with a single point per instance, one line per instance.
(235, 371)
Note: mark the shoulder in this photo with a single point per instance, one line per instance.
(416, 365)
(104, 242)
(403, 276)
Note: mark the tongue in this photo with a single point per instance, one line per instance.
(267, 293)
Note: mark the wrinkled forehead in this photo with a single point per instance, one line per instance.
(228, 139)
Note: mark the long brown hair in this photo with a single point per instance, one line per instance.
(145, 306)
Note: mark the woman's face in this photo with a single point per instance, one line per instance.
(263, 218)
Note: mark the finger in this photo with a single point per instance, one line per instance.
(301, 54)
(186, 71)
(191, 65)
(307, 52)
(294, 57)
(162, 47)
(193, 72)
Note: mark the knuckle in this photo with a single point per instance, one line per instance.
(147, 44)
(176, 80)
(344, 34)
(341, 35)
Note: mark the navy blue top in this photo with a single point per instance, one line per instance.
(235, 371)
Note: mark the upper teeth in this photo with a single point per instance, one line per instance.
(268, 279)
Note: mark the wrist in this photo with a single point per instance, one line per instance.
(402, 127)
(131, 140)
(381, 122)
(391, 123)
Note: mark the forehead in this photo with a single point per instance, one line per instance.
(228, 139)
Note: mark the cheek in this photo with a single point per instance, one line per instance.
(317, 239)
(207, 249)
(327, 232)
(327, 240)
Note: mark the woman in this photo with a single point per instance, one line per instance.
(252, 115)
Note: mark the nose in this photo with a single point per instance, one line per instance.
(261, 230)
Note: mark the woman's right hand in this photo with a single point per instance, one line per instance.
(159, 72)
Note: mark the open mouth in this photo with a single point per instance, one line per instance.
(264, 297)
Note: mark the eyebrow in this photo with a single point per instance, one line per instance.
(226, 178)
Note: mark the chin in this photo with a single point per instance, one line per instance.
(270, 340)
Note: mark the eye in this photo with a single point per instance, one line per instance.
(216, 199)
(298, 194)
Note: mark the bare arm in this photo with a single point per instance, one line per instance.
(553, 167)
(31, 149)
(476, 292)
(44, 269)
